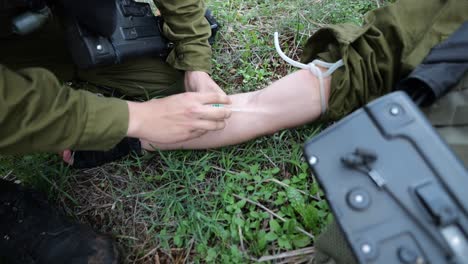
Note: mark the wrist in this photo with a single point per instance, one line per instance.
(134, 119)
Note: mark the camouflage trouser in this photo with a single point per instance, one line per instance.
(391, 43)
(147, 77)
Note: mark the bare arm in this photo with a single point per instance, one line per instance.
(289, 102)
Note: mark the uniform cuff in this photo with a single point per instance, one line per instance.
(106, 123)
(191, 58)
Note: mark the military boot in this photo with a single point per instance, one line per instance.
(32, 231)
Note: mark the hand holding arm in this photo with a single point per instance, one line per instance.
(177, 118)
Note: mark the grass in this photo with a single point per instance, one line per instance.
(236, 204)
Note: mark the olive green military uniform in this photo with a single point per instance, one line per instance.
(391, 43)
(39, 112)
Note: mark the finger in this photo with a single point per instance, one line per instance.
(67, 157)
(195, 133)
(209, 125)
(212, 89)
(213, 98)
(208, 112)
(218, 89)
(148, 145)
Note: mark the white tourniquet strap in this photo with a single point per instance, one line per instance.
(312, 67)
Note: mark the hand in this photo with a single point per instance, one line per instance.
(201, 82)
(177, 118)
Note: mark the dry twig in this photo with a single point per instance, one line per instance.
(290, 254)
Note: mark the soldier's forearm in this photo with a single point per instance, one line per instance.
(178, 117)
(289, 102)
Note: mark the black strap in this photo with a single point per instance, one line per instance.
(90, 159)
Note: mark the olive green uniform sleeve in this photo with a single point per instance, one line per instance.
(391, 43)
(186, 26)
(39, 114)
